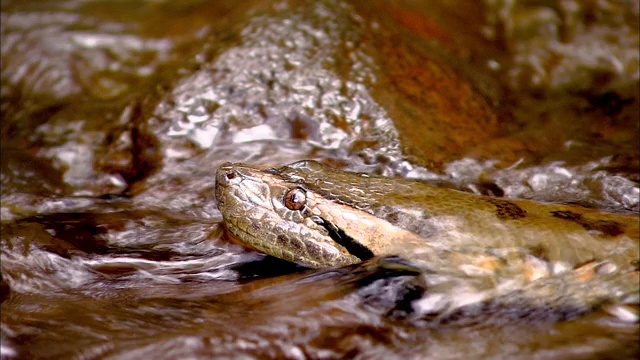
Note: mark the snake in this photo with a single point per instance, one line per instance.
(319, 217)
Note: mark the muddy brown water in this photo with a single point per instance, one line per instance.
(115, 116)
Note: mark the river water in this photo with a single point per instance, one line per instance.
(116, 115)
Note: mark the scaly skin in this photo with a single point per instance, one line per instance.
(478, 242)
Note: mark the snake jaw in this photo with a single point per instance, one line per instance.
(339, 236)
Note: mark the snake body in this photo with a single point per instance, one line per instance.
(316, 216)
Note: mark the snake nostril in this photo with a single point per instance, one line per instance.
(231, 174)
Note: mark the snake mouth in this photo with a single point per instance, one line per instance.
(339, 236)
(233, 238)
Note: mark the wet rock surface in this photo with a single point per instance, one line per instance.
(115, 117)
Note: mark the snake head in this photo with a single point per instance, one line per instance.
(275, 215)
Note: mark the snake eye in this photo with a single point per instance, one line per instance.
(295, 199)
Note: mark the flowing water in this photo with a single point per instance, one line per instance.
(115, 117)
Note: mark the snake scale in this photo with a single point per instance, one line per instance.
(308, 213)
